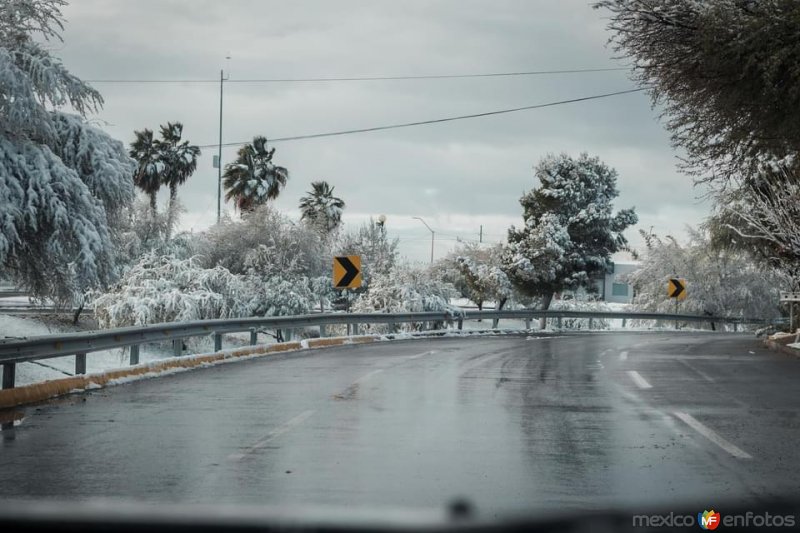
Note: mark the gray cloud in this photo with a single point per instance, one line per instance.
(459, 175)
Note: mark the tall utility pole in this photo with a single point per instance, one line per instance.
(480, 240)
(219, 151)
(433, 233)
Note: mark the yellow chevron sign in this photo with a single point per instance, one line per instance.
(347, 272)
(676, 288)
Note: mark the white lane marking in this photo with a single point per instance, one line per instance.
(277, 432)
(639, 380)
(623, 356)
(699, 372)
(713, 436)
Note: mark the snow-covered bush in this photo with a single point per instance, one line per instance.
(265, 243)
(582, 304)
(139, 230)
(407, 289)
(720, 282)
(61, 180)
(164, 289)
(279, 296)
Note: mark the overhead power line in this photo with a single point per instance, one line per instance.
(369, 78)
(434, 121)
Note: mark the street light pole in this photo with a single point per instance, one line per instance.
(433, 233)
(219, 151)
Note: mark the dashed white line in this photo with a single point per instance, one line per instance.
(711, 435)
(623, 356)
(699, 372)
(277, 432)
(639, 380)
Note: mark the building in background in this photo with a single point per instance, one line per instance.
(612, 288)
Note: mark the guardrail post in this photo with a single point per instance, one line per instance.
(624, 321)
(322, 332)
(558, 322)
(9, 372)
(217, 342)
(527, 323)
(591, 323)
(80, 363)
(735, 327)
(355, 329)
(253, 337)
(134, 357)
(495, 323)
(177, 347)
(460, 324)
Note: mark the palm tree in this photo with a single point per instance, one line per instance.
(180, 162)
(253, 179)
(321, 208)
(145, 151)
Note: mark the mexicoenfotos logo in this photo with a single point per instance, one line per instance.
(708, 519)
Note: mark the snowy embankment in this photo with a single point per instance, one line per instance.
(14, 327)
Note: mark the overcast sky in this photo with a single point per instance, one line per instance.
(456, 175)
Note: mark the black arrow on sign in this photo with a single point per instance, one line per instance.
(350, 274)
(678, 288)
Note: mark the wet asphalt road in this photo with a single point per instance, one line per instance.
(512, 423)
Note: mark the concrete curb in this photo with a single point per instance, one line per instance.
(47, 390)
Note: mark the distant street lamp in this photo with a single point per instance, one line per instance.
(381, 220)
(433, 234)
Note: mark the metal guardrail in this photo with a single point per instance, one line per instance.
(79, 344)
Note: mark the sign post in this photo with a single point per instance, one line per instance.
(791, 298)
(676, 288)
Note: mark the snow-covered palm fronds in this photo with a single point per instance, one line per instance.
(253, 179)
(320, 208)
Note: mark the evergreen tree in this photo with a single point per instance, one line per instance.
(61, 180)
(725, 71)
(570, 229)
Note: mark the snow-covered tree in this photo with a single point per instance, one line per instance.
(570, 228)
(253, 179)
(378, 252)
(145, 151)
(720, 282)
(167, 161)
(61, 180)
(268, 243)
(320, 208)
(762, 217)
(477, 274)
(724, 71)
(140, 230)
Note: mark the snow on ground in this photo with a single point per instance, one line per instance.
(12, 327)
